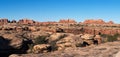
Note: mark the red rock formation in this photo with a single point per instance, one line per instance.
(4, 21)
(95, 27)
(13, 21)
(99, 21)
(67, 21)
(94, 31)
(101, 31)
(110, 22)
(26, 21)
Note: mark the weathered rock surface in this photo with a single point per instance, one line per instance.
(70, 41)
(41, 48)
(16, 42)
(109, 49)
(87, 36)
(12, 42)
(56, 36)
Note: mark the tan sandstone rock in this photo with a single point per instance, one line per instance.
(41, 48)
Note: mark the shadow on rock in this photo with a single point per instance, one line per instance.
(6, 49)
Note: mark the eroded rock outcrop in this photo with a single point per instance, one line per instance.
(15, 42)
(110, 22)
(41, 48)
(4, 21)
(98, 21)
(110, 49)
(67, 21)
(12, 42)
(26, 21)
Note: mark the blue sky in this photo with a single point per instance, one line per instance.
(54, 10)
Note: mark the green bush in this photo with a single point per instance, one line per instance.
(79, 45)
(37, 40)
(111, 38)
(40, 40)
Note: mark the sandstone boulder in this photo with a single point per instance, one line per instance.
(87, 39)
(41, 48)
(118, 54)
(56, 37)
(98, 38)
(71, 40)
(32, 28)
(87, 36)
(14, 55)
(18, 28)
(65, 42)
(15, 41)
(35, 34)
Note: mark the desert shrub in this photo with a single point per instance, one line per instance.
(30, 48)
(111, 38)
(79, 45)
(104, 35)
(37, 40)
(117, 35)
(82, 30)
(40, 40)
(62, 36)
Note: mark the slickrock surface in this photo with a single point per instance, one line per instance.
(109, 49)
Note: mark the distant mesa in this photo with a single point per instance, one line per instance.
(26, 21)
(98, 21)
(110, 22)
(4, 20)
(67, 21)
(72, 21)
